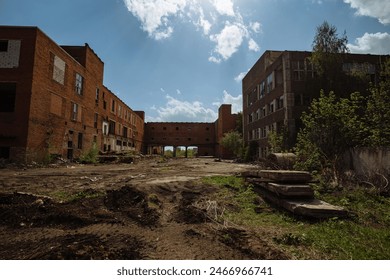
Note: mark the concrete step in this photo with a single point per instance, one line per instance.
(290, 176)
(284, 189)
(307, 207)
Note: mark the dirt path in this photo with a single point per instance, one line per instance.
(153, 209)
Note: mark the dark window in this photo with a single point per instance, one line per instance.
(4, 152)
(125, 132)
(118, 142)
(95, 120)
(80, 141)
(3, 46)
(7, 97)
(111, 128)
(104, 105)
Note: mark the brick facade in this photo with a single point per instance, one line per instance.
(53, 102)
(282, 84)
(206, 137)
(56, 103)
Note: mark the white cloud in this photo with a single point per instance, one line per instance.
(176, 110)
(154, 15)
(255, 26)
(178, 92)
(240, 76)
(373, 43)
(224, 7)
(253, 46)
(229, 40)
(156, 18)
(183, 111)
(235, 101)
(379, 9)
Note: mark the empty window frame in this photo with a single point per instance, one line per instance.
(111, 127)
(7, 97)
(80, 141)
(3, 45)
(95, 120)
(270, 82)
(125, 131)
(74, 112)
(79, 84)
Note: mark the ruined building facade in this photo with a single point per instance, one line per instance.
(282, 84)
(53, 101)
(206, 137)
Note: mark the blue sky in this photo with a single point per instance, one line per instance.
(178, 60)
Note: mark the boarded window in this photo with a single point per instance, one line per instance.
(59, 70)
(56, 104)
(9, 53)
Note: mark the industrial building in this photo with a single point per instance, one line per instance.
(53, 103)
(282, 84)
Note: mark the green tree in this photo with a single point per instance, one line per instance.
(326, 57)
(377, 114)
(331, 126)
(233, 142)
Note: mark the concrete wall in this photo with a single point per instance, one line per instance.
(368, 161)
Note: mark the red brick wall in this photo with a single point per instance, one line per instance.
(42, 123)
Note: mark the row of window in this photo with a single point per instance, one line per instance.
(178, 128)
(179, 139)
(59, 69)
(110, 127)
(275, 105)
(261, 89)
(261, 133)
(302, 69)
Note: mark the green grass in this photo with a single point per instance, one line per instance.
(365, 235)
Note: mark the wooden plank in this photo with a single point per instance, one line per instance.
(285, 175)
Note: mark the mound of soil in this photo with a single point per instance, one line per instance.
(187, 213)
(132, 203)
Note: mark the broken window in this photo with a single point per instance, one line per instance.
(79, 84)
(7, 97)
(75, 111)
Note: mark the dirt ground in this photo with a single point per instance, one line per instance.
(150, 209)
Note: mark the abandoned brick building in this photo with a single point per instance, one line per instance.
(205, 137)
(281, 85)
(53, 102)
